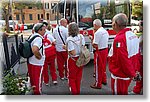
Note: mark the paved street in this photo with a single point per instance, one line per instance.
(87, 80)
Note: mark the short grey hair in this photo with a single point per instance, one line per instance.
(62, 21)
(97, 22)
(121, 19)
(73, 29)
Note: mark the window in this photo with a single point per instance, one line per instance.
(47, 16)
(41, 15)
(46, 5)
(38, 16)
(53, 5)
(30, 17)
(17, 17)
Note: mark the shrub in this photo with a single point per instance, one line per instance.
(14, 85)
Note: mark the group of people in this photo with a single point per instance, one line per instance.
(64, 45)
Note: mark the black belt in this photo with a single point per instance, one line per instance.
(102, 49)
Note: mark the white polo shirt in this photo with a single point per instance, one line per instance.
(101, 38)
(73, 43)
(37, 42)
(59, 42)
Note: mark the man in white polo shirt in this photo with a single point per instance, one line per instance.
(100, 43)
(36, 62)
(60, 34)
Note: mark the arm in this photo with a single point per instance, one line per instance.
(54, 43)
(95, 45)
(73, 52)
(96, 41)
(36, 47)
(125, 62)
(71, 48)
(36, 52)
(51, 38)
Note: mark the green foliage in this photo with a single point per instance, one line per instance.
(14, 85)
(22, 4)
(5, 12)
(137, 8)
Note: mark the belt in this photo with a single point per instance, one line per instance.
(102, 49)
(75, 56)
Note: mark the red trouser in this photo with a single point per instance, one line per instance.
(101, 67)
(49, 62)
(120, 86)
(95, 57)
(35, 74)
(62, 63)
(139, 84)
(75, 76)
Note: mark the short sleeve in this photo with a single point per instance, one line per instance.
(37, 42)
(54, 33)
(96, 38)
(70, 46)
(51, 38)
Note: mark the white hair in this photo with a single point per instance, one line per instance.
(121, 19)
(97, 22)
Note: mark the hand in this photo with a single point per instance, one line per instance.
(137, 77)
(90, 37)
(64, 47)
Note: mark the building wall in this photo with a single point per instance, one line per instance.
(49, 9)
(34, 12)
(46, 11)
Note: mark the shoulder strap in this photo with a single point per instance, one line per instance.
(68, 51)
(73, 42)
(80, 42)
(30, 40)
(61, 36)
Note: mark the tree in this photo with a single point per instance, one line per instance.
(112, 9)
(6, 12)
(7, 6)
(137, 8)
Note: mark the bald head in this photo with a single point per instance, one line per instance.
(97, 22)
(63, 22)
(121, 19)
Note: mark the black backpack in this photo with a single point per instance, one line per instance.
(25, 49)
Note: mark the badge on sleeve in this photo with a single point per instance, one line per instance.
(118, 44)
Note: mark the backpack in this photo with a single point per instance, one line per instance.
(25, 49)
(84, 56)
